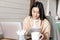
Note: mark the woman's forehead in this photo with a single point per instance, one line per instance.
(35, 8)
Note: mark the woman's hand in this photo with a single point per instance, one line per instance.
(41, 36)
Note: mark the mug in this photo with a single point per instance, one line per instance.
(36, 36)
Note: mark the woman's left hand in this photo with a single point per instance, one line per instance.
(41, 36)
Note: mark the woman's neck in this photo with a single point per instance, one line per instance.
(35, 18)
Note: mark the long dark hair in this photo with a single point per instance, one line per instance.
(41, 10)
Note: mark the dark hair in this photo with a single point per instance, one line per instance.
(41, 9)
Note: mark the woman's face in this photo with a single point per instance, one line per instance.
(35, 12)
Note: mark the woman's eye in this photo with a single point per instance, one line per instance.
(38, 12)
(34, 11)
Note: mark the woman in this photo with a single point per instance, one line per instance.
(37, 13)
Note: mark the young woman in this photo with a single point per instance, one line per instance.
(37, 13)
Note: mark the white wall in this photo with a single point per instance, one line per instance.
(52, 7)
(14, 10)
(58, 11)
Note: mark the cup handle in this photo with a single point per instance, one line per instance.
(41, 37)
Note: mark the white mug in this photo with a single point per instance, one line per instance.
(36, 36)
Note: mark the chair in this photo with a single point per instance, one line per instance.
(54, 34)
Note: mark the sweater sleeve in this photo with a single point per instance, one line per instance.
(26, 24)
(46, 29)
